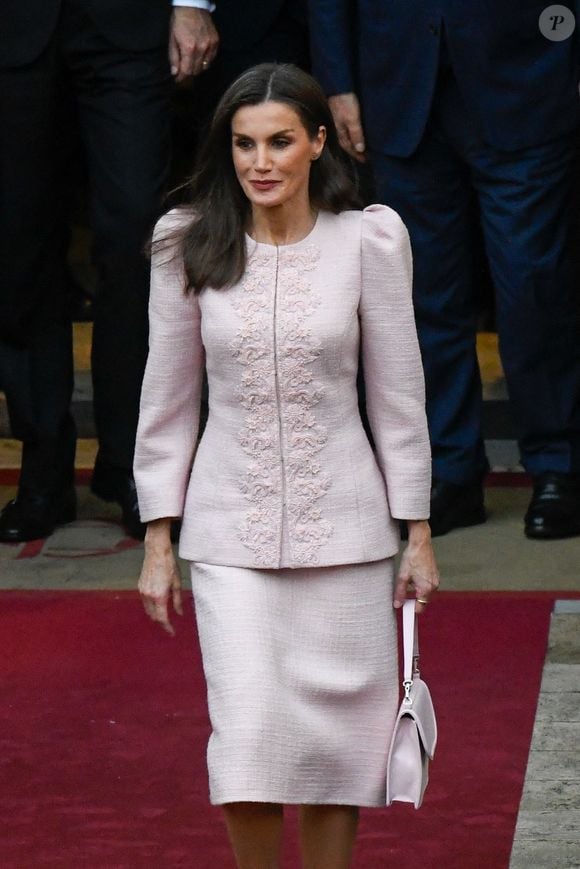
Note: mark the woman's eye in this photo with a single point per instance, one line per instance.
(280, 143)
(244, 144)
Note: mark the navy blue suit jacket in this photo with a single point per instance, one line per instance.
(522, 87)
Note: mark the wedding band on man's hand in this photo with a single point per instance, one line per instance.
(420, 600)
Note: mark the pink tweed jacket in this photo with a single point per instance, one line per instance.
(284, 475)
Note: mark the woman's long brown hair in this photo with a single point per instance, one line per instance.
(213, 243)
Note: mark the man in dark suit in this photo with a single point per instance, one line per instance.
(461, 100)
(108, 62)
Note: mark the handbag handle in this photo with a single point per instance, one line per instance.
(410, 646)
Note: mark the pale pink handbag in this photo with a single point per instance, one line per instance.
(415, 735)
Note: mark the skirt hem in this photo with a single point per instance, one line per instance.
(362, 803)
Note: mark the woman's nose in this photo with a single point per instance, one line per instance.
(263, 161)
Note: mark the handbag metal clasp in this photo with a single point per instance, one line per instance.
(407, 685)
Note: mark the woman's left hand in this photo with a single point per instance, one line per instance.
(418, 571)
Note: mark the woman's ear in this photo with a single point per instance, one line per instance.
(318, 143)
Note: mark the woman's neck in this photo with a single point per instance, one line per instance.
(280, 225)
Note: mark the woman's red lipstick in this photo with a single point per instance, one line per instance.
(264, 185)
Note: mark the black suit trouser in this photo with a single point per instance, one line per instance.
(120, 99)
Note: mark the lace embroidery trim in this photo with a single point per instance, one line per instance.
(303, 437)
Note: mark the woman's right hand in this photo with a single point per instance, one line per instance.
(160, 579)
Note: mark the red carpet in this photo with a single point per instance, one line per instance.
(103, 730)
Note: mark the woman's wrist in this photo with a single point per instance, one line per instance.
(158, 535)
(419, 530)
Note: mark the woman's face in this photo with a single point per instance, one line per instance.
(272, 153)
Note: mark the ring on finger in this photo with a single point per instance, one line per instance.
(421, 600)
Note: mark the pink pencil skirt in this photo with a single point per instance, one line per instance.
(302, 681)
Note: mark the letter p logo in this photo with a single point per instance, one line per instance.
(557, 23)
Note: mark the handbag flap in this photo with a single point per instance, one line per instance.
(408, 765)
(420, 708)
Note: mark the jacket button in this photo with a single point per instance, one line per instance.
(434, 30)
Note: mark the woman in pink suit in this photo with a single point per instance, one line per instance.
(273, 280)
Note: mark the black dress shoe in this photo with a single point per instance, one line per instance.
(554, 510)
(454, 506)
(33, 515)
(119, 486)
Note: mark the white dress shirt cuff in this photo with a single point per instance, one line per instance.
(195, 4)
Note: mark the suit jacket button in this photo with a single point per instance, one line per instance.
(434, 30)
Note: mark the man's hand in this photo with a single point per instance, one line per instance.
(346, 113)
(193, 41)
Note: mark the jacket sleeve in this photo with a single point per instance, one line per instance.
(171, 392)
(393, 373)
(330, 27)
